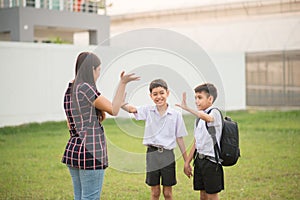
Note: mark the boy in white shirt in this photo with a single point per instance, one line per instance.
(208, 174)
(164, 126)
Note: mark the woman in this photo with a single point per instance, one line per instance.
(86, 152)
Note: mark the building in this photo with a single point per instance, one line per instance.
(54, 21)
(265, 32)
(254, 47)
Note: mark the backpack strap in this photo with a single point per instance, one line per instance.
(212, 131)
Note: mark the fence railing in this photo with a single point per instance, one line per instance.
(95, 6)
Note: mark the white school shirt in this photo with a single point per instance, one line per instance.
(161, 130)
(203, 140)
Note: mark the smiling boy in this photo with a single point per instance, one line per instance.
(164, 126)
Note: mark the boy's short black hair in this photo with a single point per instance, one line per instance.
(158, 83)
(209, 88)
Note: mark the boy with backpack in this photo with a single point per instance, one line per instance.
(208, 171)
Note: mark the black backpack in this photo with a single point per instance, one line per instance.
(229, 143)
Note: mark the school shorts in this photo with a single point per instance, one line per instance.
(208, 176)
(161, 167)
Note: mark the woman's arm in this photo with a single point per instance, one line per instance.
(120, 93)
(102, 103)
(113, 107)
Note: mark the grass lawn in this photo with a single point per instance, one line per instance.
(30, 165)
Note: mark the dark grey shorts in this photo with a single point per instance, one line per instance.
(161, 167)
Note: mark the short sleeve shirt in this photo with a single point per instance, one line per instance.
(203, 140)
(161, 130)
(86, 148)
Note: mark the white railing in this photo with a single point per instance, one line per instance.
(87, 6)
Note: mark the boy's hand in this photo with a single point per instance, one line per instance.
(183, 104)
(188, 170)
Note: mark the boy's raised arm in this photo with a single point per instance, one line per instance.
(199, 114)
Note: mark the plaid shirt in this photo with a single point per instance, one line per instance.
(86, 148)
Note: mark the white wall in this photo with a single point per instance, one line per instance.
(34, 77)
(232, 69)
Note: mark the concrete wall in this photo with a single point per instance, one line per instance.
(10, 23)
(33, 78)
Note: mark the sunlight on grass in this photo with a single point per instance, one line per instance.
(269, 166)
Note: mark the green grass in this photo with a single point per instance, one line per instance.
(269, 166)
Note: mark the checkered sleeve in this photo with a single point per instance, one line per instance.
(89, 92)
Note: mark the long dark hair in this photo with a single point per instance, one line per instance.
(85, 64)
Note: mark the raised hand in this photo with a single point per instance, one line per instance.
(183, 104)
(126, 78)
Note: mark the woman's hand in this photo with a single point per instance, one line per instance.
(102, 116)
(126, 78)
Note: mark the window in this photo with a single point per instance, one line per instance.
(272, 78)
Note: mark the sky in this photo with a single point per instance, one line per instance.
(120, 7)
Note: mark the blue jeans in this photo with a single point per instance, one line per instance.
(87, 184)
